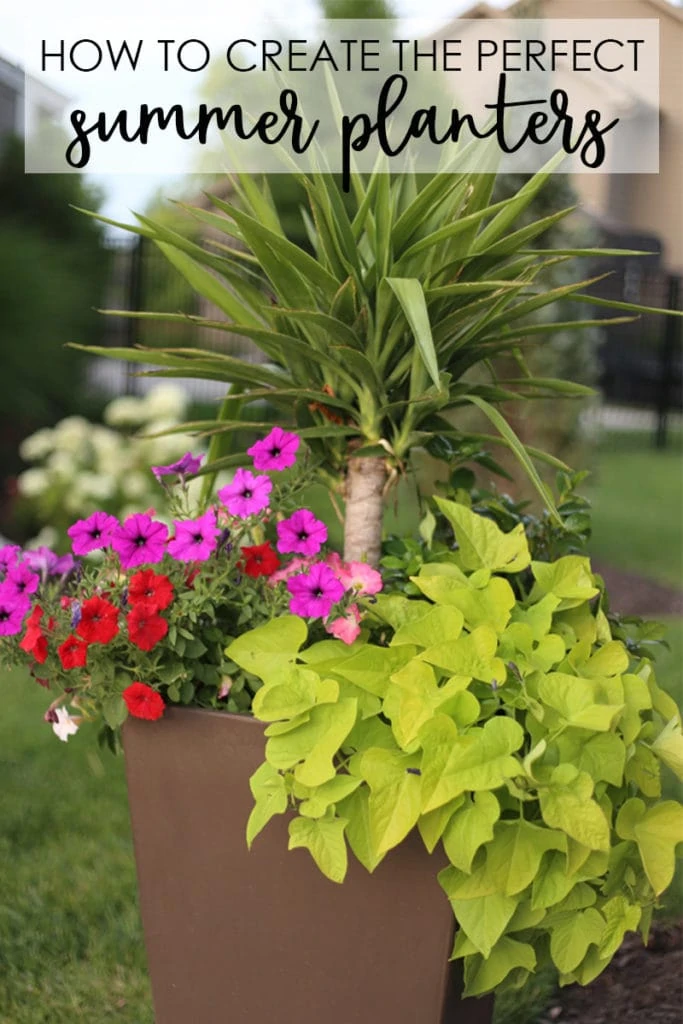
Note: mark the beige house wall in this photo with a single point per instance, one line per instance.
(652, 203)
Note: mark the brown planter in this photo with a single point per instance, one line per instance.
(262, 937)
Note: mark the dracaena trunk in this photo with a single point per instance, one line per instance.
(365, 482)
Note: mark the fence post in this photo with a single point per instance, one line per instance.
(134, 301)
(667, 351)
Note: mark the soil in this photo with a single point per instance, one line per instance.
(642, 985)
(631, 594)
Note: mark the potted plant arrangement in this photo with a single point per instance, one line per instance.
(470, 723)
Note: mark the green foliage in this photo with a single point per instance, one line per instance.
(495, 712)
(379, 329)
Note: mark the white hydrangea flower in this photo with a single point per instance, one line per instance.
(33, 482)
(125, 411)
(71, 434)
(100, 486)
(137, 486)
(37, 445)
(166, 401)
(66, 725)
(63, 464)
(47, 538)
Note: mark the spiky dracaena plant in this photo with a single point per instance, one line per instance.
(370, 340)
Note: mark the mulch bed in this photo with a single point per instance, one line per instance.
(631, 594)
(642, 985)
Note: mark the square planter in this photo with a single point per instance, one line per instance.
(262, 937)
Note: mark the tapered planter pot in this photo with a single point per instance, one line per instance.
(262, 937)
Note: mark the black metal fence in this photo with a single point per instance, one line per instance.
(641, 363)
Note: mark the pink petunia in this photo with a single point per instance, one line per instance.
(21, 581)
(92, 533)
(195, 539)
(139, 540)
(302, 534)
(188, 464)
(246, 494)
(346, 627)
(314, 593)
(275, 452)
(9, 556)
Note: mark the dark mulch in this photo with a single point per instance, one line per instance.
(641, 985)
(631, 594)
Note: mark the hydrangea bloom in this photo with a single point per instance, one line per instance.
(139, 540)
(92, 533)
(302, 533)
(195, 539)
(246, 494)
(314, 593)
(275, 452)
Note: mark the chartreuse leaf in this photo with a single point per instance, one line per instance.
(572, 935)
(574, 700)
(669, 747)
(512, 860)
(371, 667)
(471, 655)
(312, 746)
(481, 542)
(637, 698)
(552, 883)
(602, 756)
(569, 578)
(539, 616)
(657, 830)
(266, 650)
(567, 804)
(610, 660)
(319, 798)
(295, 691)
(270, 793)
(414, 697)
(480, 759)
(430, 628)
(621, 917)
(324, 839)
(484, 918)
(483, 975)
(356, 809)
(490, 605)
(433, 825)
(469, 828)
(395, 801)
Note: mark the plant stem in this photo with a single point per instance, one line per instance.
(364, 509)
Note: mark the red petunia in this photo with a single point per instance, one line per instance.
(73, 653)
(153, 588)
(143, 702)
(145, 627)
(260, 560)
(99, 621)
(35, 641)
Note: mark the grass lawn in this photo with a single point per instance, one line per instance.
(637, 495)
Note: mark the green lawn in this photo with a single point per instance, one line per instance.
(637, 495)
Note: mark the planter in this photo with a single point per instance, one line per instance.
(262, 937)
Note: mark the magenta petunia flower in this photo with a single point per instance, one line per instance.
(139, 540)
(314, 592)
(302, 534)
(246, 495)
(195, 539)
(189, 463)
(9, 556)
(45, 561)
(92, 533)
(13, 611)
(21, 581)
(275, 452)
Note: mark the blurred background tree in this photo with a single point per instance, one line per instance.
(53, 270)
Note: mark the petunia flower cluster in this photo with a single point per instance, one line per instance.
(138, 615)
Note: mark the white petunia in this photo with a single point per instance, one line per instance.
(66, 725)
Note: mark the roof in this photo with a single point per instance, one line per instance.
(484, 10)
